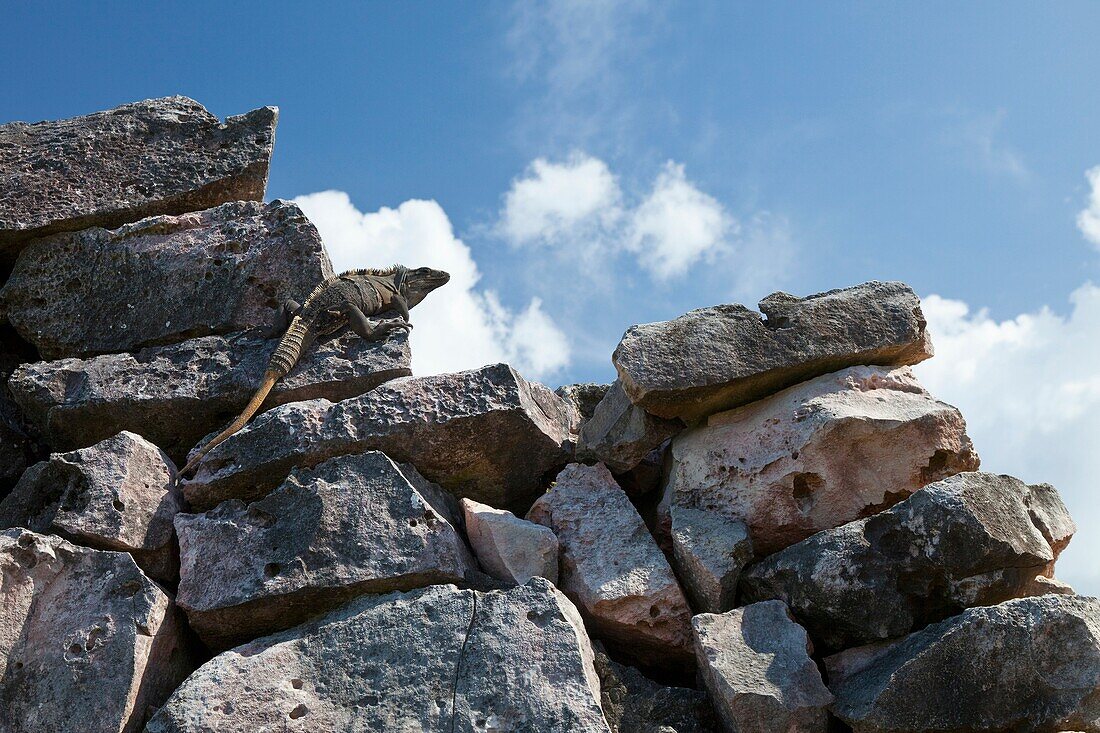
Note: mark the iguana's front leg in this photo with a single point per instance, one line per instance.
(366, 330)
(400, 306)
(283, 316)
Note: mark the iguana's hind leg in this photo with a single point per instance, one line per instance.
(365, 329)
(283, 316)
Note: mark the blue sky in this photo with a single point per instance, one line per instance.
(585, 166)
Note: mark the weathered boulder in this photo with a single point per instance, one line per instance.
(487, 434)
(87, 641)
(972, 539)
(162, 279)
(612, 568)
(718, 358)
(1029, 664)
(17, 448)
(583, 395)
(633, 703)
(756, 664)
(709, 551)
(819, 454)
(178, 393)
(619, 434)
(437, 659)
(159, 156)
(119, 494)
(352, 525)
(510, 548)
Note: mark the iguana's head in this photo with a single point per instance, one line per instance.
(421, 281)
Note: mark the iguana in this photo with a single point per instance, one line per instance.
(342, 300)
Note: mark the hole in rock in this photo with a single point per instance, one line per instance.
(118, 505)
(934, 471)
(804, 486)
(296, 683)
(298, 712)
(654, 612)
(272, 569)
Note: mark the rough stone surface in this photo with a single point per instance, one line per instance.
(437, 659)
(486, 434)
(176, 394)
(633, 703)
(510, 548)
(709, 552)
(972, 539)
(163, 279)
(756, 664)
(584, 396)
(119, 494)
(159, 156)
(718, 358)
(620, 434)
(87, 642)
(819, 454)
(352, 525)
(1030, 664)
(18, 449)
(612, 568)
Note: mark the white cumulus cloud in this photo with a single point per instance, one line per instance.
(458, 326)
(1088, 221)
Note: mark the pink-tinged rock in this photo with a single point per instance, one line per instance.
(819, 454)
(718, 358)
(163, 279)
(487, 434)
(158, 156)
(510, 548)
(119, 494)
(612, 568)
(87, 642)
(756, 664)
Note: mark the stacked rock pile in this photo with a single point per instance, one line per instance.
(764, 524)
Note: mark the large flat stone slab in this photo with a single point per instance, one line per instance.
(163, 279)
(819, 454)
(87, 642)
(487, 434)
(158, 156)
(718, 358)
(969, 540)
(1029, 664)
(119, 494)
(352, 525)
(437, 659)
(177, 394)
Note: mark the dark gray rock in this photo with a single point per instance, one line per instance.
(1030, 664)
(486, 434)
(159, 156)
(119, 494)
(352, 525)
(87, 642)
(163, 279)
(718, 358)
(437, 659)
(620, 434)
(709, 552)
(584, 396)
(756, 664)
(969, 540)
(177, 394)
(633, 703)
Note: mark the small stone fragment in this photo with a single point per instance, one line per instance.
(510, 548)
(718, 358)
(1028, 664)
(612, 568)
(709, 551)
(119, 494)
(621, 435)
(158, 156)
(756, 664)
(351, 525)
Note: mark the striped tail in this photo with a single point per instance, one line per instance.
(286, 355)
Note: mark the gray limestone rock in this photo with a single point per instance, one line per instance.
(972, 539)
(709, 552)
(510, 548)
(87, 642)
(633, 703)
(619, 434)
(178, 393)
(163, 279)
(584, 396)
(119, 494)
(612, 568)
(437, 659)
(159, 156)
(487, 434)
(718, 358)
(1029, 664)
(352, 525)
(756, 664)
